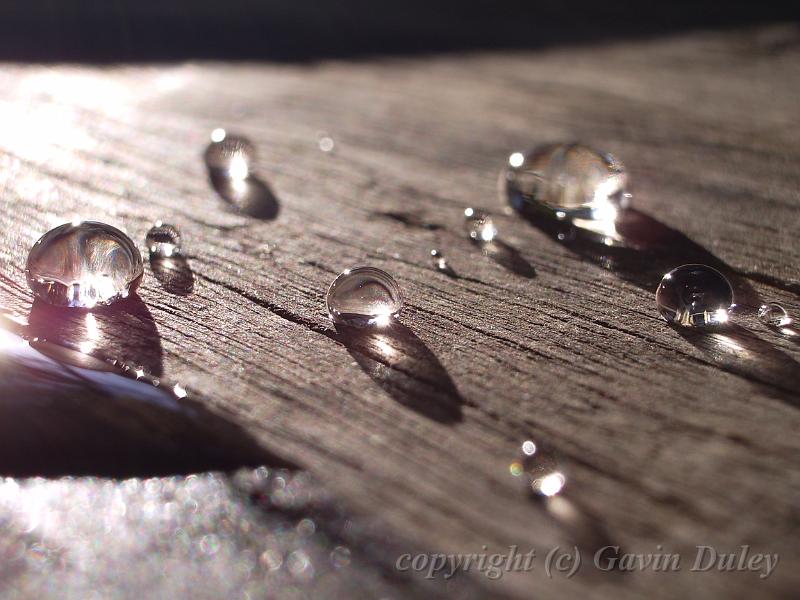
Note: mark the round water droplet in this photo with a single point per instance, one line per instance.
(479, 225)
(440, 262)
(364, 296)
(83, 265)
(568, 180)
(774, 315)
(230, 155)
(694, 296)
(163, 240)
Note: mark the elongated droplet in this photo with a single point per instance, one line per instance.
(229, 155)
(570, 180)
(479, 225)
(84, 264)
(774, 315)
(694, 296)
(163, 240)
(364, 296)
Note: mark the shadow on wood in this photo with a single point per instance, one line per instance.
(124, 331)
(173, 273)
(250, 196)
(641, 250)
(406, 369)
(63, 412)
(743, 353)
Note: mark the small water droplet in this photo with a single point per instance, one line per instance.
(84, 265)
(364, 296)
(163, 240)
(774, 315)
(326, 143)
(440, 263)
(340, 557)
(570, 180)
(231, 155)
(479, 225)
(694, 296)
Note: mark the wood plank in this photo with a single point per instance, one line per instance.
(665, 439)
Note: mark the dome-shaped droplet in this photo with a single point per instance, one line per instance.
(694, 296)
(479, 226)
(229, 155)
(364, 296)
(163, 240)
(774, 315)
(83, 265)
(569, 180)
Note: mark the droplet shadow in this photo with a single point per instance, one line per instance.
(741, 352)
(637, 248)
(65, 413)
(406, 369)
(123, 331)
(173, 273)
(249, 196)
(508, 257)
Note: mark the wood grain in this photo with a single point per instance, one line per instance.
(665, 439)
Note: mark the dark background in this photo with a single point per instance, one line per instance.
(128, 30)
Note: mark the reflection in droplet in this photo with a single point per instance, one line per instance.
(364, 296)
(479, 225)
(549, 485)
(572, 180)
(694, 296)
(774, 315)
(84, 265)
(230, 155)
(163, 240)
(528, 448)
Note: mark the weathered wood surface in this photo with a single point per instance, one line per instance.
(665, 439)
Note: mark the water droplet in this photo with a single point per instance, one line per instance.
(568, 180)
(694, 296)
(479, 225)
(163, 240)
(326, 143)
(230, 155)
(774, 315)
(340, 557)
(84, 265)
(440, 263)
(364, 296)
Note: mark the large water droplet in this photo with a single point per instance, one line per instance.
(694, 296)
(364, 296)
(230, 155)
(479, 225)
(568, 180)
(774, 315)
(163, 240)
(84, 264)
